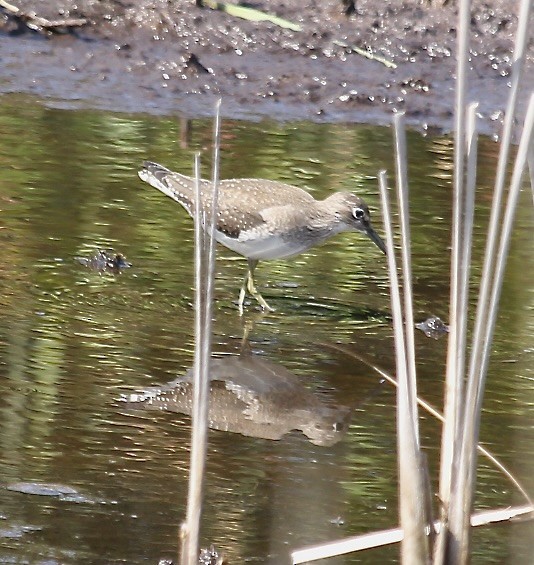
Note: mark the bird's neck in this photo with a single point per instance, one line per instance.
(326, 214)
(324, 219)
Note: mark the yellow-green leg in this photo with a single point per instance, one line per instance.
(248, 285)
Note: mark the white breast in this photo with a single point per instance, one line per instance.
(263, 248)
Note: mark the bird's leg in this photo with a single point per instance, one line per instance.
(242, 293)
(251, 287)
(248, 285)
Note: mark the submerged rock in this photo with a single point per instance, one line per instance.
(17, 531)
(105, 261)
(433, 327)
(63, 492)
(211, 557)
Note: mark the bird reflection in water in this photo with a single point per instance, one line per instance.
(253, 397)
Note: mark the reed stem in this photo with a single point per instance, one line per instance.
(204, 277)
(414, 547)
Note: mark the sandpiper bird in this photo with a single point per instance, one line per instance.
(264, 219)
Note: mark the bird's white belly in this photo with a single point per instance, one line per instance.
(263, 248)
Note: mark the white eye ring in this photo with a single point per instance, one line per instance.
(358, 213)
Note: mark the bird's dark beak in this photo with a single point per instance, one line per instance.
(376, 239)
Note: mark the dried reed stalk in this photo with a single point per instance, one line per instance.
(414, 547)
(465, 478)
(455, 356)
(458, 497)
(204, 277)
(377, 539)
(395, 535)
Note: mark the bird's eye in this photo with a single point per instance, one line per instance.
(358, 213)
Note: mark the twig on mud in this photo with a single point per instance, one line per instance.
(366, 53)
(253, 15)
(41, 25)
(247, 13)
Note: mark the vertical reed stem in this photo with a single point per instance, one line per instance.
(462, 507)
(191, 527)
(404, 215)
(455, 361)
(459, 526)
(414, 546)
(481, 320)
(457, 523)
(531, 169)
(215, 197)
(204, 275)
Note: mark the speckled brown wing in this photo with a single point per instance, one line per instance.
(259, 194)
(246, 204)
(241, 201)
(232, 219)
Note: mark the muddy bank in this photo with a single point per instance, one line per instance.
(174, 57)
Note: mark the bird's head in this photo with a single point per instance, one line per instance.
(354, 213)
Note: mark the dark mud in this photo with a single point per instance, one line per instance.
(173, 57)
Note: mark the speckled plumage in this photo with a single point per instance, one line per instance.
(264, 219)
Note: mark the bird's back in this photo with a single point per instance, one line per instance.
(242, 203)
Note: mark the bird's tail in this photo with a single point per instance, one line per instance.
(176, 186)
(155, 175)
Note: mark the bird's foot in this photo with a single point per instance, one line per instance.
(264, 306)
(257, 295)
(253, 291)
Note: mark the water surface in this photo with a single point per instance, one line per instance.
(74, 341)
